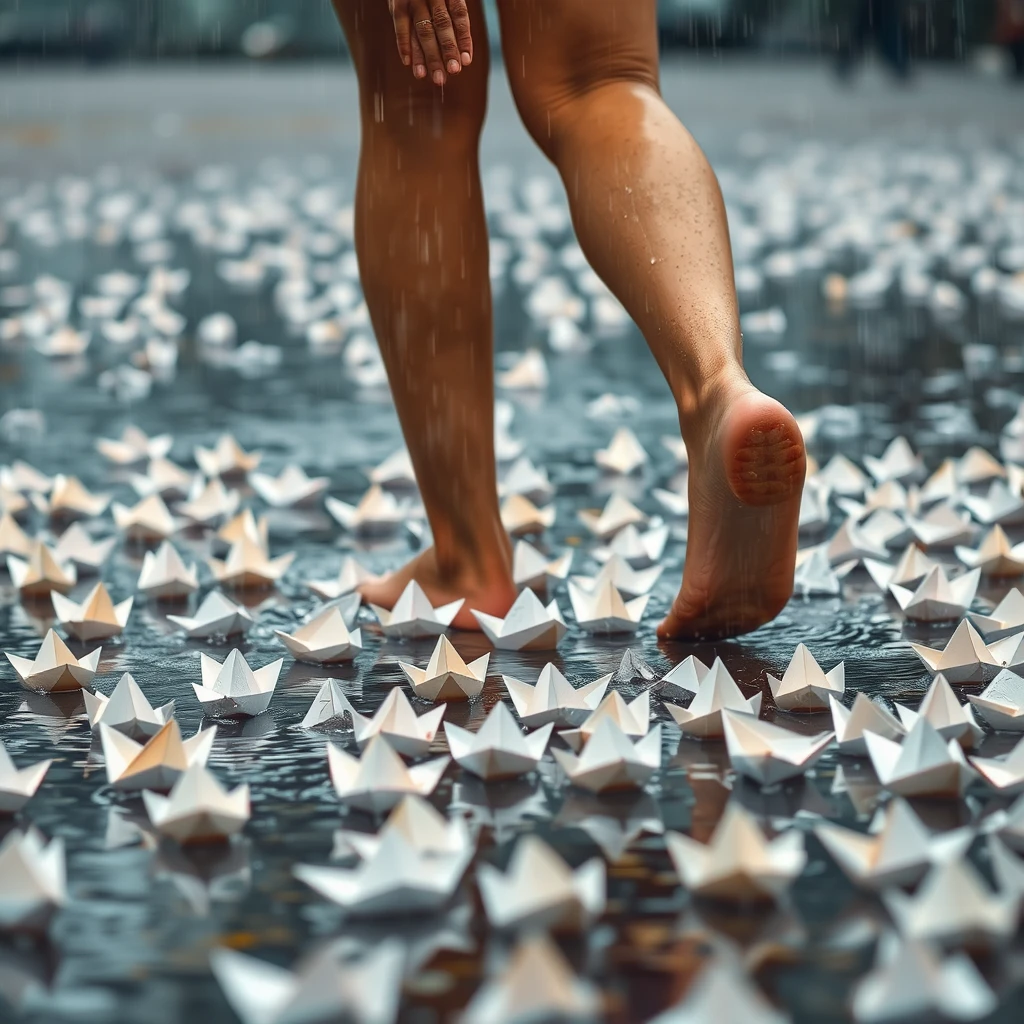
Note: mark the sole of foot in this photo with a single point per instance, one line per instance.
(746, 478)
(494, 597)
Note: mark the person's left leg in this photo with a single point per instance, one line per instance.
(649, 216)
(421, 239)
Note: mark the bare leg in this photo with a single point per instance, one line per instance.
(421, 238)
(649, 215)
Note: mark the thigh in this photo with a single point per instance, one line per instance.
(558, 50)
(389, 95)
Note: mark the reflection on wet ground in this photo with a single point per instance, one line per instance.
(271, 247)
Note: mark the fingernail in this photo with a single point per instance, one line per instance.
(466, 58)
(419, 71)
(454, 67)
(405, 60)
(438, 78)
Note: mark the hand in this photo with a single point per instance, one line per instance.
(434, 36)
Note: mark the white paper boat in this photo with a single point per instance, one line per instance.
(540, 891)
(447, 677)
(498, 750)
(232, 689)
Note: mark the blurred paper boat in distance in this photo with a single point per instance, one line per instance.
(738, 863)
(1004, 620)
(540, 890)
(13, 539)
(554, 699)
(897, 851)
(209, 503)
(618, 513)
(18, 785)
(70, 499)
(367, 990)
(624, 455)
(954, 906)
(995, 556)
(247, 566)
(41, 573)
(521, 517)
(290, 488)
(227, 458)
(447, 677)
(33, 882)
(1003, 774)
(916, 981)
(378, 512)
(198, 808)
(146, 522)
(536, 984)
(723, 992)
(76, 547)
(898, 462)
(350, 576)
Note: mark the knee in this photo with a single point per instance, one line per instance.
(415, 115)
(554, 110)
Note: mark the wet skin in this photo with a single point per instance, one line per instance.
(649, 216)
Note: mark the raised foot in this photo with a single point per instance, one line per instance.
(494, 596)
(747, 469)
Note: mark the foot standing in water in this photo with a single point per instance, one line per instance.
(649, 216)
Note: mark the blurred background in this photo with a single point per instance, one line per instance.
(118, 30)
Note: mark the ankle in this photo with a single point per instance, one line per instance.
(701, 405)
(480, 562)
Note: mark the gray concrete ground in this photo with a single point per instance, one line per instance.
(55, 118)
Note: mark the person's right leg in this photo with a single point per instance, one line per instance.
(649, 216)
(421, 238)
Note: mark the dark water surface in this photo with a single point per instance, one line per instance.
(134, 940)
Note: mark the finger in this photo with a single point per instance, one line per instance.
(400, 15)
(424, 26)
(444, 30)
(463, 34)
(419, 62)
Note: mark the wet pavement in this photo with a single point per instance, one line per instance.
(134, 940)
